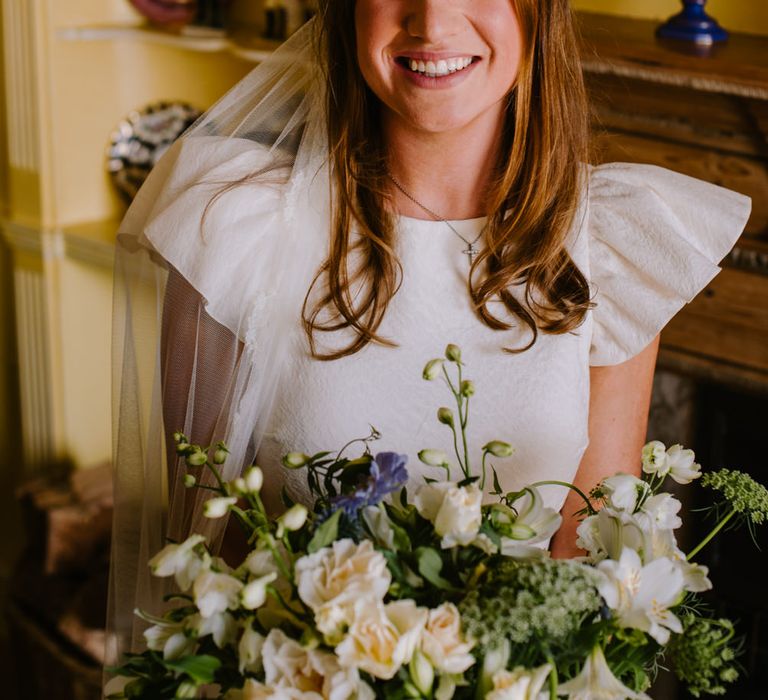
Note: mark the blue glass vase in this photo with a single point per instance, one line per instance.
(693, 24)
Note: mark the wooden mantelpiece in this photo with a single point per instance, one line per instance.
(704, 115)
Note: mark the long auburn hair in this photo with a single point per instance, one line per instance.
(532, 201)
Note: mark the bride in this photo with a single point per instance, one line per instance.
(401, 174)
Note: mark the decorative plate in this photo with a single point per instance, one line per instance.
(140, 140)
(169, 13)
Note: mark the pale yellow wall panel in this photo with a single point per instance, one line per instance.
(750, 16)
(81, 12)
(90, 99)
(86, 294)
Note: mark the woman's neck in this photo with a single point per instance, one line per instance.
(449, 171)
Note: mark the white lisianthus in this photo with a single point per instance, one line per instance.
(422, 673)
(534, 525)
(380, 638)
(520, 684)
(216, 592)
(293, 519)
(379, 525)
(640, 596)
(181, 561)
(455, 511)
(249, 650)
(288, 666)
(682, 467)
(443, 642)
(609, 532)
(654, 458)
(221, 626)
(261, 562)
(333, 579)
(254, 593)
(218, 507)
(624, 492)
(254, 480)
(596, 680)
(663, 509)
(174, 639)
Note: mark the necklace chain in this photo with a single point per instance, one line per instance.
(471, 251)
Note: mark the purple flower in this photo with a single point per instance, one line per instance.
(387, 474)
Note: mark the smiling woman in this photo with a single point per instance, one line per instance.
(400, 175)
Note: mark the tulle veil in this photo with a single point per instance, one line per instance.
(200, 308)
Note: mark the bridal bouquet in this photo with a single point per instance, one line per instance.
(377, 592)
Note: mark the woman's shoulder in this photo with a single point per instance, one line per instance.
(656, 238)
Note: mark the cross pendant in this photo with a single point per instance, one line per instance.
(470, 252)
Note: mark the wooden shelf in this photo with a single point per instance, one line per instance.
(199, 39)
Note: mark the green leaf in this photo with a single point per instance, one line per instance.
(285, 497)
(201, 669)
(326, 534)
(496, 484)
(430, 565)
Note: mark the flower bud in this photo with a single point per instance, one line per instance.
(254, 594)
(296, 460)
(254, 480)
(189, 480)
(220, 456)
(218, 507)
(293, 519)
(239, 485)
(179, 437)
(196, 458)
(453, 353)
(186, 689)
(183, 447)
(445, 416)
(499, 449)
(421, 672)
(433, 369)
(433, 458)
(467, 388)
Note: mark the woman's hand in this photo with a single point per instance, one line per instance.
(620, 396)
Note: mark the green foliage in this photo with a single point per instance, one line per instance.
(745, 495)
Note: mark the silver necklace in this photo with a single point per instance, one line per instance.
(471, 251)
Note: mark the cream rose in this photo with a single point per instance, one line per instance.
(382, 638)
(290, 667)
(454, 510)
(443, 642)
(332, 580)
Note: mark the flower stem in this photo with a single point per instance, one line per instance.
(711, 535)
(592, 511)
(463, 403)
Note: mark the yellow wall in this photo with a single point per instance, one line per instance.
(750, 16)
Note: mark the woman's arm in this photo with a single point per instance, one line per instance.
(620, 396)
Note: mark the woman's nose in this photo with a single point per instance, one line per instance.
(433, 21)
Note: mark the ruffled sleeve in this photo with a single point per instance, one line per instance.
(655, 240)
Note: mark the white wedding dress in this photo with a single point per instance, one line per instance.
(648, 240)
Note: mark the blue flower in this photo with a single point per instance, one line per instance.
(387, 474)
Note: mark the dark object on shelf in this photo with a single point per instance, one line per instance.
(693, 24)
(212, 13)
(275, 21)
(167, 13)
(141, 139)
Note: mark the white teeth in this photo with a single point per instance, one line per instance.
(436, 69)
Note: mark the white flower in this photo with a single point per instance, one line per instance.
(641, 595)
(249, 650)
(597, 682)
(221, 626)
(682, 467)
(624, 491)
(433, 458)
(288, 666)
(535, 523)
(254, 593)
(520, 684)
(455, 511)
(215, 592)
(333, 579)
(181, 561)
(254, 480)
(218, 507)
(380, 638)
(654, 458)
(609, 532)
(663, 510)
(422, 673)
(172, 638)
(293, 519)
(379, 525)
(261, 562)
(495, 661)
(443, 642)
